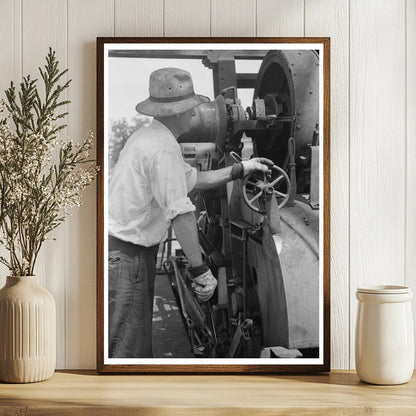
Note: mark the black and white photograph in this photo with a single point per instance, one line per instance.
(213, 205)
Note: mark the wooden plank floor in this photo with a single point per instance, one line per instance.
(86, 393)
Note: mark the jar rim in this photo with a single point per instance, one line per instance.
(384, 289)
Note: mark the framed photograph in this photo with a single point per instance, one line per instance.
(213, 232)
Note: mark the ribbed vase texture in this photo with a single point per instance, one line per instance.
(27, 331)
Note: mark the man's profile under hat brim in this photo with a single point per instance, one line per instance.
(158, 108)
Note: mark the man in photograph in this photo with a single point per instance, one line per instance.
(148, 192)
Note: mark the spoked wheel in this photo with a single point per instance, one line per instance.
(261, 183)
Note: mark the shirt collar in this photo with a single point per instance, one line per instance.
(159, 124)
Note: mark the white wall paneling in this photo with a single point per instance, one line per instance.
(10, 63)
(138, 17)
(186, 18)
(330, 18)
(280, 18)
(10, 43)
(233, 18)
(377, 146)
(44, 24)
(86, 21)
(410, 261)
(373, 129)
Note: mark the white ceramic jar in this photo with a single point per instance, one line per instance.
(384, 340)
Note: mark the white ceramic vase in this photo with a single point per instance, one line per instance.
(384, 338)
(27, 331)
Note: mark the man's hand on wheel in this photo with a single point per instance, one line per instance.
(203, 284)
(256, 164)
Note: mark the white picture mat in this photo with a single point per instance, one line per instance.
(212, 46)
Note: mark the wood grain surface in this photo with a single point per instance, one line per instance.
(410, 259)
(177, 21)
(233, 18)
(377, 194)
(36, 39)
(83, 392)
(85, 19)
(373, 92)
(10, 65)
(281, 18)
(138, 18)
(331, 17)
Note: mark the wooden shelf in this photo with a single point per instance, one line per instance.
(86, 393)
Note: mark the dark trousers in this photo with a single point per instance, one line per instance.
(131, 278)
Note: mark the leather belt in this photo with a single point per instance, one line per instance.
(128, 248)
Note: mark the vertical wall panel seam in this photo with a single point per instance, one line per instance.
(304, 18)
(66, 222)
(163, 20)
(256, 17)
(12, 39)
(114, 18)
(210, 17)
(21, 40)
(405, 146)
(349, 184)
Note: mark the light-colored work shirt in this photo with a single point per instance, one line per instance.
(149, 186)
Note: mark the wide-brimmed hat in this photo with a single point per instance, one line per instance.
(171, 91)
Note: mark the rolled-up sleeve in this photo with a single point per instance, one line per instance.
(191, 176)
(170, 180)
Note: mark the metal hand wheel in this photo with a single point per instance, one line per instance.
(261, 183)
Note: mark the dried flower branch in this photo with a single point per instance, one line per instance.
(41, 176)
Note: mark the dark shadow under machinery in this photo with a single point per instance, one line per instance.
(260, 235)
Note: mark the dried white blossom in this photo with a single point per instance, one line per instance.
(42, 175)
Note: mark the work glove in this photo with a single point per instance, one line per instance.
(256, 164)
(204, 283)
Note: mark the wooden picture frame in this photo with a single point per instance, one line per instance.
(294, 107)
